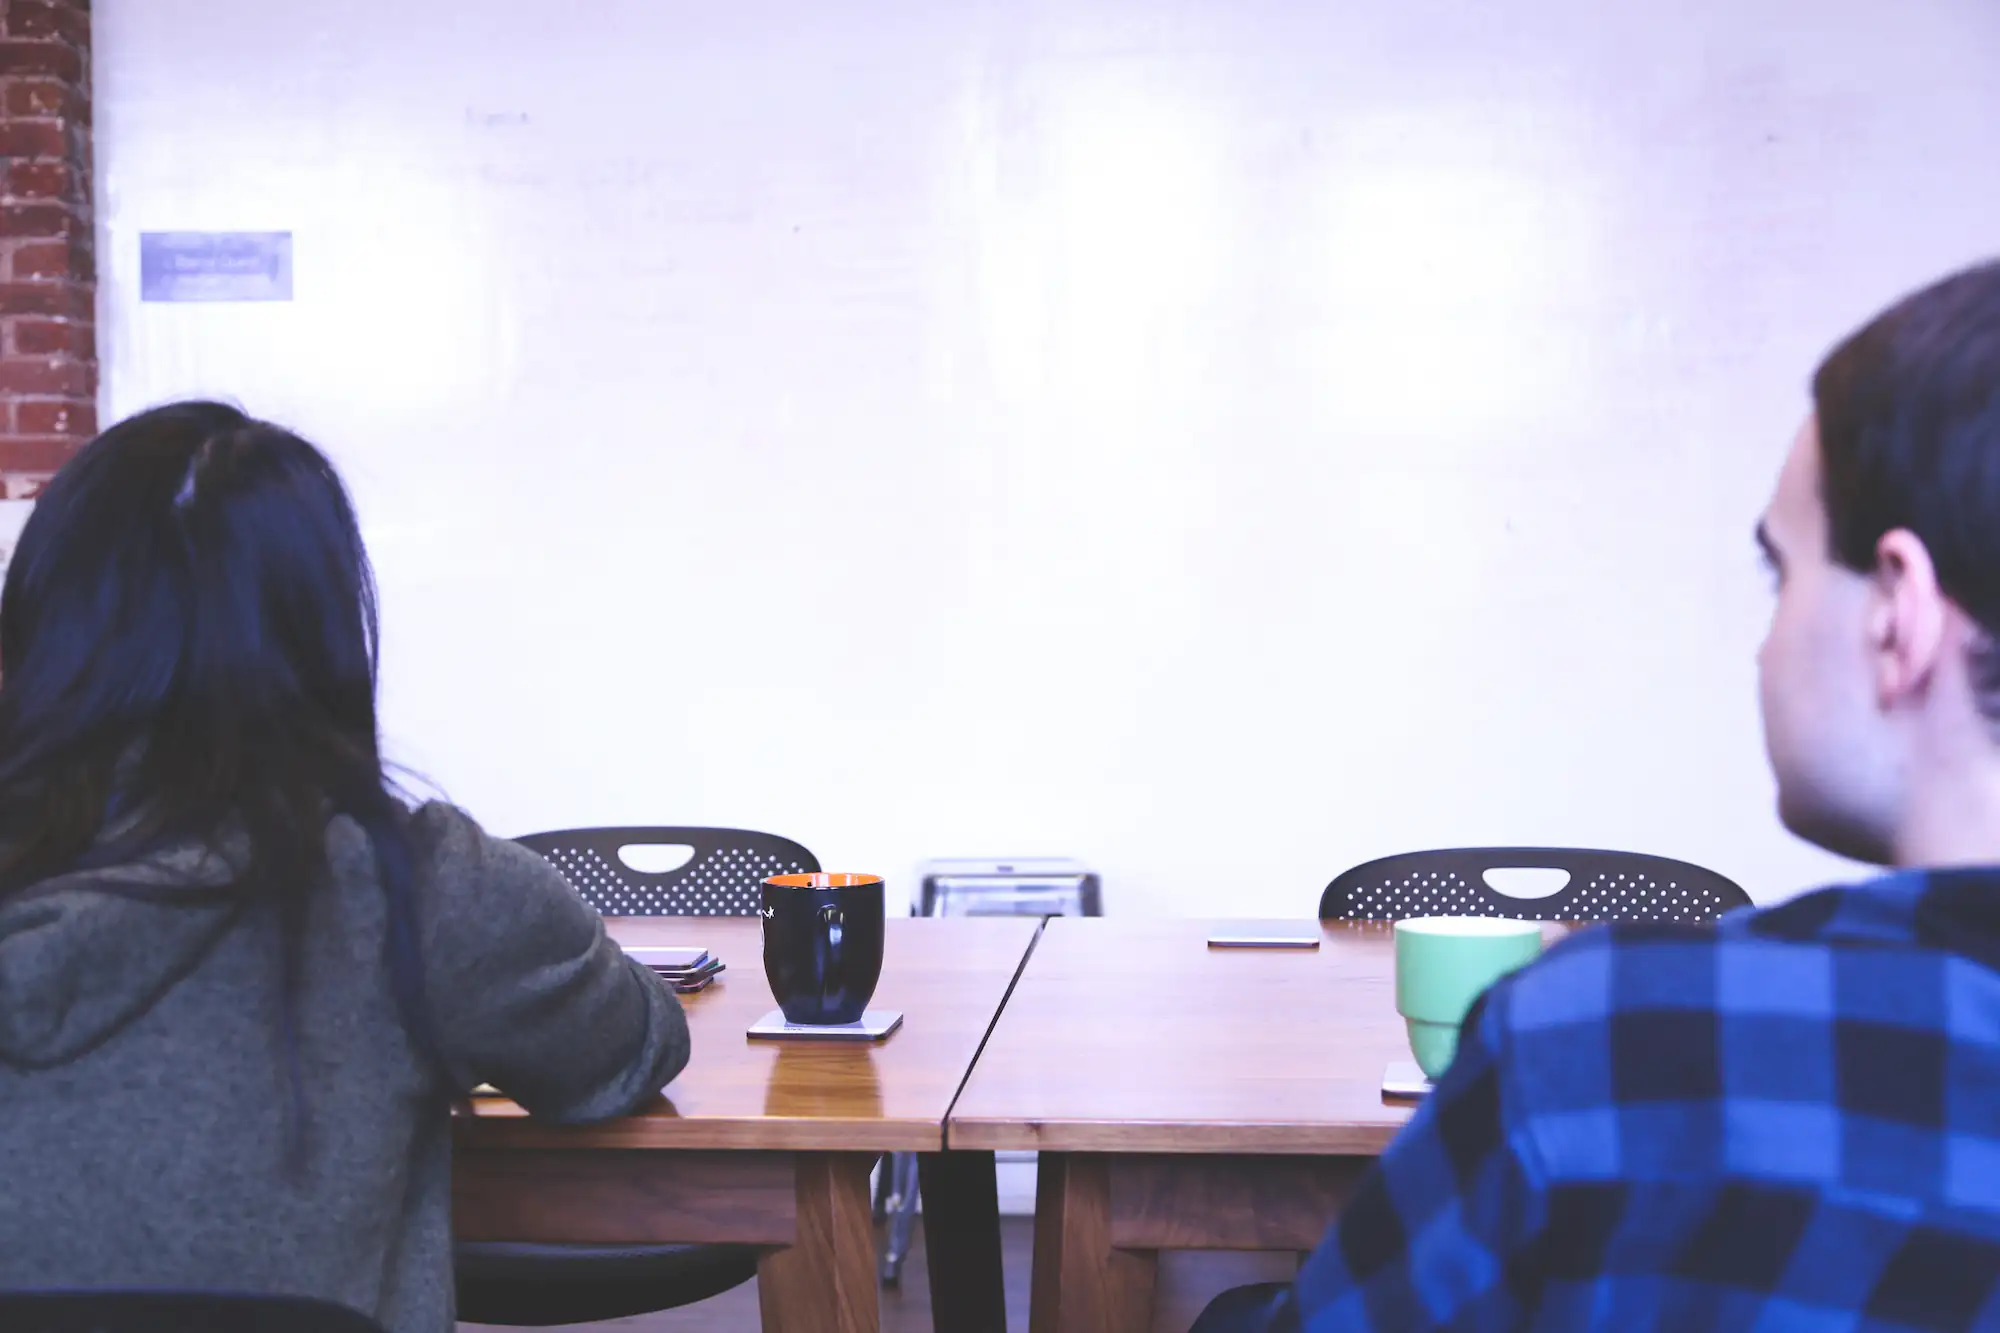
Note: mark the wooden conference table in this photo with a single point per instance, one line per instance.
(770, 1143)
(1183, 1098)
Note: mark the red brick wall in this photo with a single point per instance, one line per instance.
(48, 270)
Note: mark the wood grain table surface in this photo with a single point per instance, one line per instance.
(1134, 1036)
(947, 974)
(1183, 1098)
(770, 1143)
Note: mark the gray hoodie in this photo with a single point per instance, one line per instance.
(143, 1085)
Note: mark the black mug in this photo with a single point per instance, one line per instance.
(823, 944)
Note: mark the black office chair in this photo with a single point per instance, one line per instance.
(1602, 886)
(1264, 1307)
(115, 1311)
(529, 1285)
(724, 877)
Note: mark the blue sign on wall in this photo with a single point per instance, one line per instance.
(215, 266)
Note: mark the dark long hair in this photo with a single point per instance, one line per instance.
(188, 650)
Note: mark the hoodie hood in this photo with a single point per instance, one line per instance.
(85, 954)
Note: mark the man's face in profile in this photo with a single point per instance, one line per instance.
(1823, 729)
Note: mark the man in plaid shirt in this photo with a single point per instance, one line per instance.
(1791, 1121)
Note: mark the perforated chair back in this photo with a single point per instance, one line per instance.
(114, 1311)
(1602, 886)
(724, 877)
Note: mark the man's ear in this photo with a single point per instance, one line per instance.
(1906, 618)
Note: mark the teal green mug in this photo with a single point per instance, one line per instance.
(1443, 964)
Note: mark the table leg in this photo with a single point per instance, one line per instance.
(824, 1282)
(1082, 1283)
(962, 1241)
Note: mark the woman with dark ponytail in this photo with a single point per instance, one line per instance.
(242, 982)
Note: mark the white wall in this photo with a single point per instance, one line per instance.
(1221, 439)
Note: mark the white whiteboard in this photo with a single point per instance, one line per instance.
(1223, 440)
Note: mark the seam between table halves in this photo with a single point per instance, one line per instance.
(944, 1129)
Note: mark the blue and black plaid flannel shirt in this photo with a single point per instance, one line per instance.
(1789, 1123)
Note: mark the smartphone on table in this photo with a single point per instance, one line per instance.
(687, 970)
(668, 958)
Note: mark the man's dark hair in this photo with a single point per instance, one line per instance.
(1909, 437)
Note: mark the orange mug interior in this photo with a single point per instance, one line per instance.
(823, 880)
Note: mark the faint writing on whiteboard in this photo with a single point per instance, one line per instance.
(215, 266)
